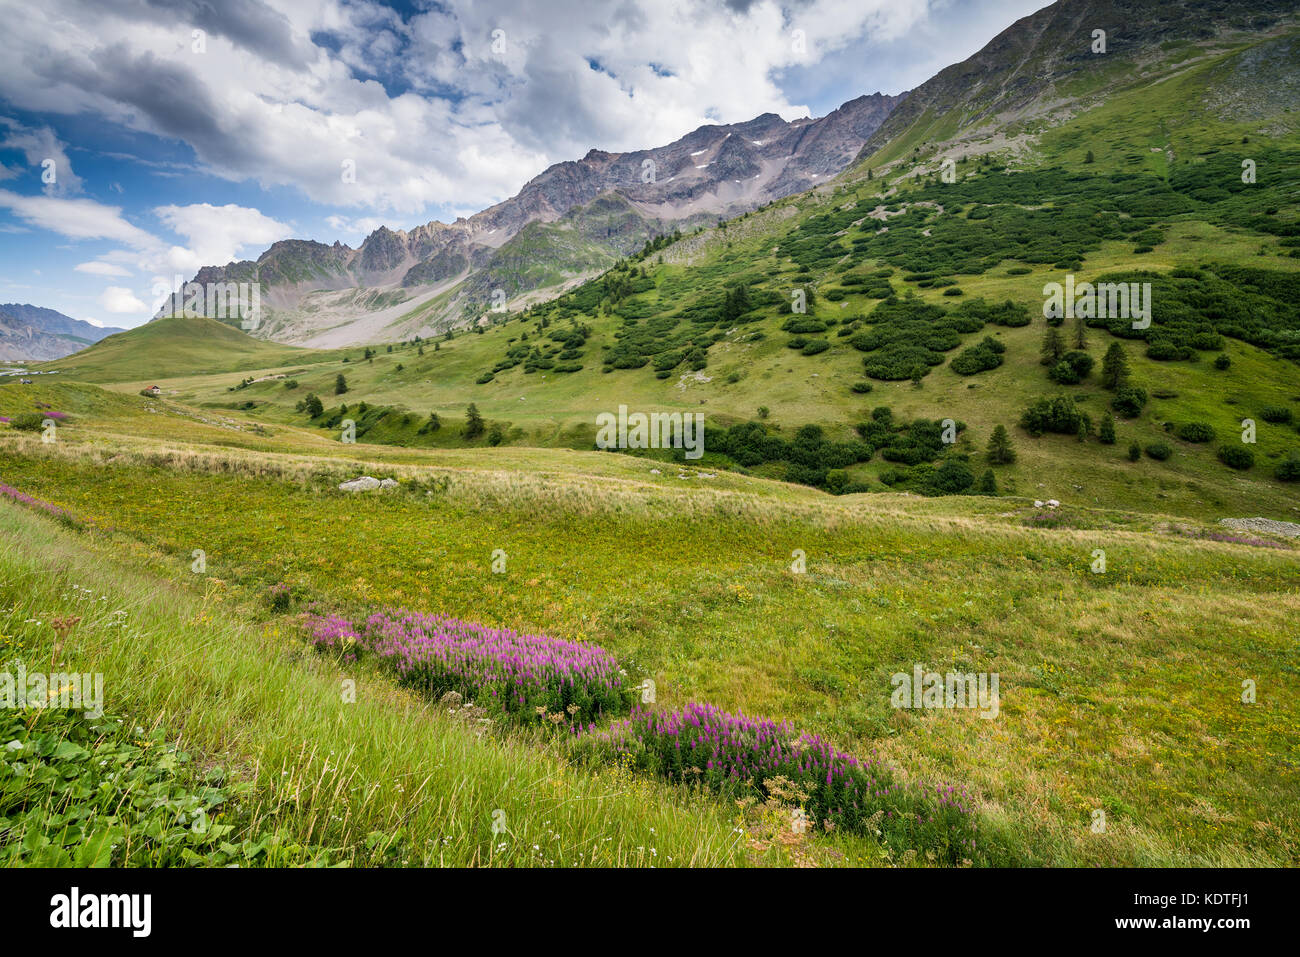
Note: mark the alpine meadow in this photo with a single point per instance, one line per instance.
(910, 482)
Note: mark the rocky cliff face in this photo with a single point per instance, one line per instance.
(711, 173)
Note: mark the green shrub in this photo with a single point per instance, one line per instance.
(1277, 414)
(1159, 451)
(1134, 452)
(1288, 471)
(27, 421)
(1129, 401)
(1063, 374)
(951, 478)
(1195, 432)
(861, 387)
(1073, 368)
(1236, 457)
(816, 346)
(804, 324)
(986, 355)
(1058, 414)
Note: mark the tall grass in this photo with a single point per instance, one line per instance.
(382, 779)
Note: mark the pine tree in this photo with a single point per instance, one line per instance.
(340, 385)
(474, 426)
(1080, 333)
(988, 485)
(1107, 433)
(1114, 367)
(1000, 451)
(1053, 347)
(314, 405)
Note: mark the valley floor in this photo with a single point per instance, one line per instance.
(1121, 692)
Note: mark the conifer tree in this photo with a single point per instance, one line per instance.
(1000, 451)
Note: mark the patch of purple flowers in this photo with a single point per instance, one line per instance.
(731, 752)
(1236, 539)
(10, 492)
(496, 667)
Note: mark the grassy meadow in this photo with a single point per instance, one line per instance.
(1147, 655)
(1120, 691)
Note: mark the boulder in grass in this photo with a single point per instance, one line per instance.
(388, 483)
(363, 484)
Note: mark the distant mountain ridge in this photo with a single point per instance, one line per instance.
(593, 210)
(34, 333)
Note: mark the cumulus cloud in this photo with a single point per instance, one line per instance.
(457, 104)
(118, 299)
(214, 235)
(217, 234)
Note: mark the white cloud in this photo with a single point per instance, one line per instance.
(118, 299)
(288, 90)
(359, 228)
(99, 268)
(75, 218)
(217, 234)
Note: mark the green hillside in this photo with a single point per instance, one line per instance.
(905, 274)
(176, 345)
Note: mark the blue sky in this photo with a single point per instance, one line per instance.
(142, 139)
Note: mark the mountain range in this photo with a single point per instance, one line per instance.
(33, 333)
(567, 224)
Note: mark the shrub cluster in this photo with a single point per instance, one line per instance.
(978, 358)
(1060, 415)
